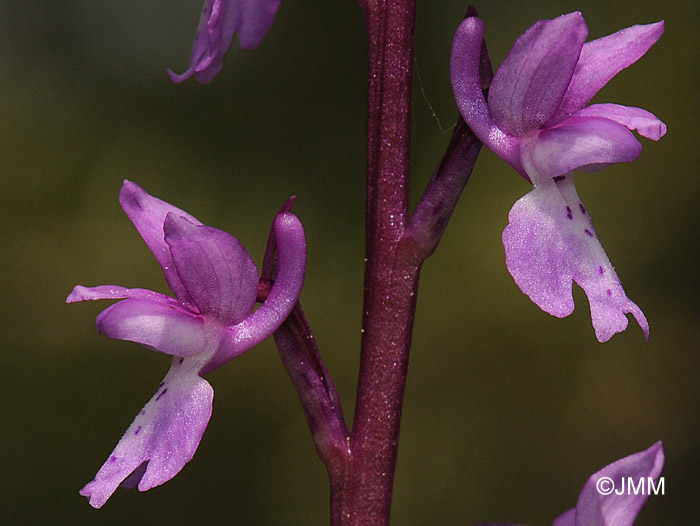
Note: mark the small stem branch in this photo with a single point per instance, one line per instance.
(302, 360)
(434, 210)
(318, 395)
(440, 198)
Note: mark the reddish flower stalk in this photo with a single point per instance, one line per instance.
(396, 247)
(364, 496)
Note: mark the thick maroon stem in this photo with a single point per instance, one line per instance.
(361, 464)
(363, 496)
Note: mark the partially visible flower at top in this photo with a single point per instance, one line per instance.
(220, 20)
(614, 496)
(209, 322)
(536, 119)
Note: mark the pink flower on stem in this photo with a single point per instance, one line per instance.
(209, 322)
(536, 119)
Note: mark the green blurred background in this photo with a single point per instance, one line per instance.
(507, 410)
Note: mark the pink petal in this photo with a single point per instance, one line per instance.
(581, 142)
(163, 327)
(164, 435)
(636, 119)
(594, 508)
(467, 86)
(530, 84)
(115, 292)
(148, 215)
(269, 266)
(215, 269)
(604, 58)
(283, 296)
(566, 519)
(550, 242)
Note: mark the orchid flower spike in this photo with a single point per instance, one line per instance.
(614, 495)
(536, 119)
(220, 20)
(209, 322)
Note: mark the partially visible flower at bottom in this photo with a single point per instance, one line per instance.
(612, 496)
(209, 322)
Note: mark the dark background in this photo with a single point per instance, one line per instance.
(508, 411)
